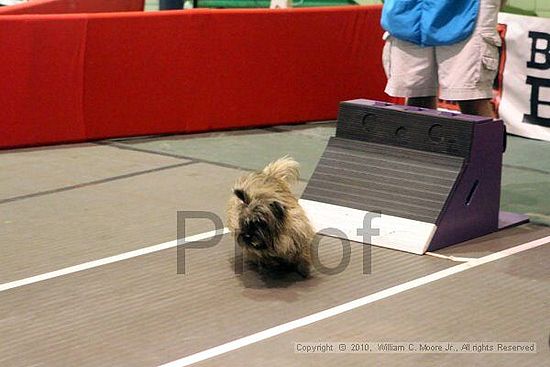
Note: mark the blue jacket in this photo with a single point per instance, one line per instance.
(430, 22)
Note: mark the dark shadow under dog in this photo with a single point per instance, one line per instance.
(280, 275)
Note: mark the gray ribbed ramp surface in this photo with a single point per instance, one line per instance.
(374, 177)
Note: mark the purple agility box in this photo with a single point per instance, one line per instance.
(425, 179)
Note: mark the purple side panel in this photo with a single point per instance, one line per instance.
(473, 213)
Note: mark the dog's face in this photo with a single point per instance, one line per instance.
(255, 232)
(260, 222)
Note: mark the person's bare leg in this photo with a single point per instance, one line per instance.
(425, 102)
(481, 107)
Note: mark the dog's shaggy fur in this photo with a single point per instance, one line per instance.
(267, 221)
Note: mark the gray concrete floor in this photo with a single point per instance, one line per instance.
(66, 205)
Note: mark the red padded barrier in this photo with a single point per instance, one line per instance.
(72, 6)
(207, 70)
(183, 71)
(42, 82)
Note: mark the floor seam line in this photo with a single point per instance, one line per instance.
(195, 160)
(536, 170)
(92, 183)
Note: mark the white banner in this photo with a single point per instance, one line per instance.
(525, 100)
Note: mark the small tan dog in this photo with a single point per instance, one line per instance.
(267, 221)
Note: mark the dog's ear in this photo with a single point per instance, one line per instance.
(278, 210)
(243, 196)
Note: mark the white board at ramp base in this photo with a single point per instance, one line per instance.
(387, 231)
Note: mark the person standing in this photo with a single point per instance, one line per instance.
(442, 48)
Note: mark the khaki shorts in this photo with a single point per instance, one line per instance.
(463, 71)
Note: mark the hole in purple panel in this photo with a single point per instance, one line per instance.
(436, 133)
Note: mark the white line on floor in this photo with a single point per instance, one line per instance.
(111, 259)
(450, 257)
(283, 328)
